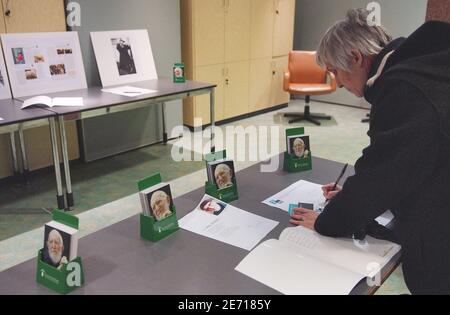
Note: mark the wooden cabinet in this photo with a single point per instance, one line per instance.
(235, 44)
(283, 32)
(29, 16)
(237, 30)
(35, 16)
(279, 96)
(236, 89)
(209, 34)
(262, 18)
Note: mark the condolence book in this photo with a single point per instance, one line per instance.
(302, 262)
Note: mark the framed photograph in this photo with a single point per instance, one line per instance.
(41, 63)
(124, 57)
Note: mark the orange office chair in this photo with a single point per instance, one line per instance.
(305, 77)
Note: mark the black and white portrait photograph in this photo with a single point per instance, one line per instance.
(123, 54)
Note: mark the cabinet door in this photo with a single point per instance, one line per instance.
(209, 32)
(262, 19)
(260, 84)
(279, 96)
(237, 30)
(211, 74)
(35, 16)
(236, 89)
(283, 34)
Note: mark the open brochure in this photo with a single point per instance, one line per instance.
(302, 262)
(52, 102)
(220, 221)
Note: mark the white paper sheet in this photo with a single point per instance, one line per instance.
(124, 57)
(130, 91)
(385, 218)
(301, 191)
(307, 192)
(68, 101)
(232, 226)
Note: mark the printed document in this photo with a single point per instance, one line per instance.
(223, 222)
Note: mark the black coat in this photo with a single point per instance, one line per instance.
(406, 167)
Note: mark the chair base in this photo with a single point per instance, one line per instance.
(307, 116)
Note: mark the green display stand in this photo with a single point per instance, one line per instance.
(151, 229)
(228, 194)
(70, 276)
(294, 164)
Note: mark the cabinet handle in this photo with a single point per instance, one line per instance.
(227, 81)
(7, 9)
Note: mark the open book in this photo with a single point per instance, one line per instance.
(302, 262)
(52, 102)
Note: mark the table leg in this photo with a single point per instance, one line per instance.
(165, 137)
(60, 196)
(212, 105)
(26, 169)
(14, 153)
(69, 193)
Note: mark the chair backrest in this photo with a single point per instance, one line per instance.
(304, 68)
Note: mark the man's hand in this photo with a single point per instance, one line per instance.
(304, 217)
(328, 191)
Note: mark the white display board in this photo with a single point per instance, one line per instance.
(124, 57)
(41, 63)
(5, 91)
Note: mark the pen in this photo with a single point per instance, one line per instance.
(339, 179)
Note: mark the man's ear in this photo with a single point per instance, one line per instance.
(357, 58)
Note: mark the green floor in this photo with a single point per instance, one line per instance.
(94, 184)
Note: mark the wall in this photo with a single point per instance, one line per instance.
(314, 17)
(162, 20)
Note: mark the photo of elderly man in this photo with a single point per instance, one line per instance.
(55, 253)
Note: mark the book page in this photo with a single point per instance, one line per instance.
(287, 270)
(68, 101)
(366, 258)
(38, 100)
